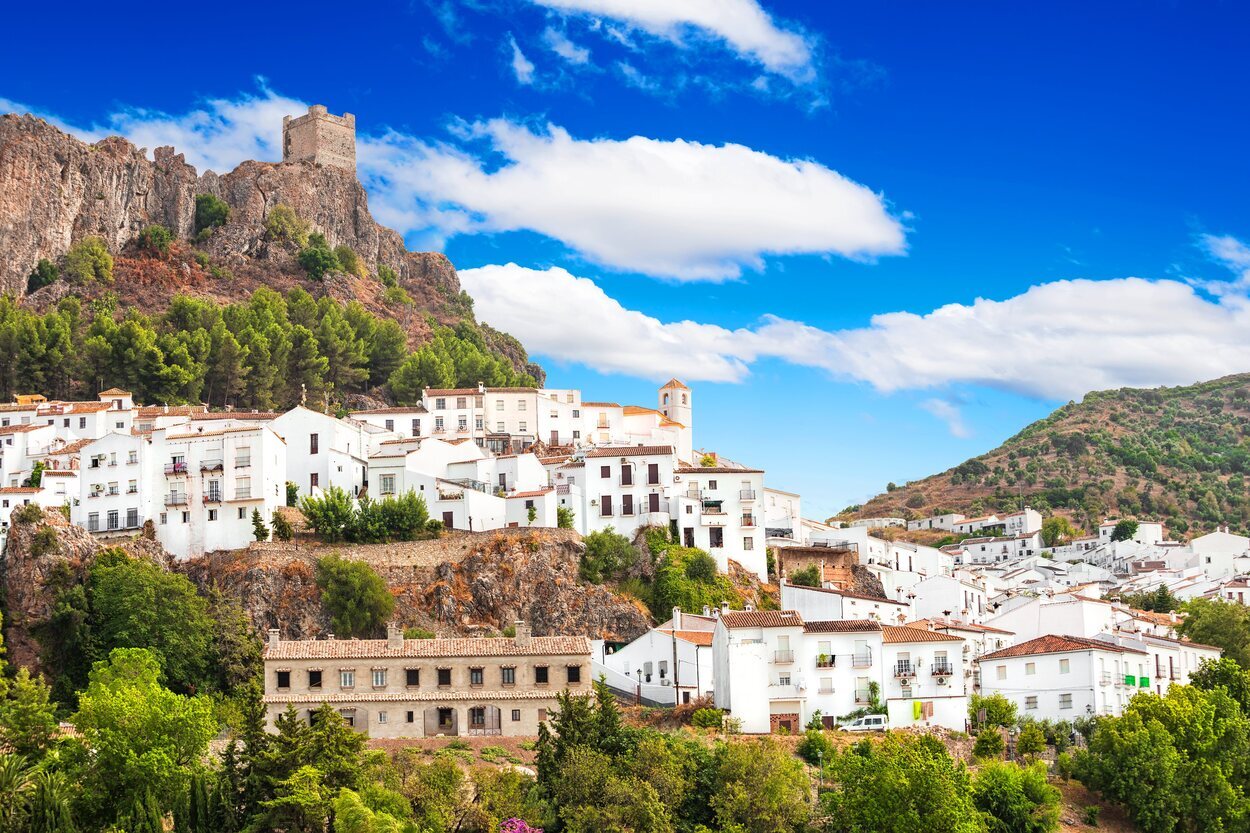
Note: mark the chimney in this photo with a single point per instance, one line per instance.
(394, 637)
(330, 636)
(273, 638)
(676, 618)
(523, 635)
(724, 607)
(707, 611)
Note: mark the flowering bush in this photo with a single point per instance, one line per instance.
(518, 826)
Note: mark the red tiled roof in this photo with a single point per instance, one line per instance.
(1054, 644)
(842, 626)
(20, 490)
(20, 429)
(432, 648)
(114, 392)
(703, 638)
(905, 633)
(512, 390)
(71, 448)
(762, 619)
(535, 493)
(471, 695)
(600, 405)
(452, 391)
(240, 415)
(398, 409)
(675, 383)
(630, 451)
(717, 470)
(955, 624)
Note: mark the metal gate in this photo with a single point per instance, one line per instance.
(485, 720)
(441, 720)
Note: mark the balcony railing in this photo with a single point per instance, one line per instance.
(748, 520)
(942, 668)
(694, 494)
(212, 497)
(242, 494)
(827, 661)
(783, 656)
(861, 695)
(242, 462)
(904, 668)
(746, 494)
(1104, 678)
(825, 688)
(861, 659)
(175, 499)
(211, 465)
(93, 526)
(176, 468)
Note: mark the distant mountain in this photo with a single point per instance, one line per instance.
(1180, 455)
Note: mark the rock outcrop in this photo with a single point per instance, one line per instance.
(34, 562)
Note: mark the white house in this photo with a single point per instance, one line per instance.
(1220, 553)
(944, 521)
(717, 510)
(676, 655)
(821, 603)
(1024, 522)
(412, 421)
(755, 677)
(1063, 613)
(1001, 548)
(324, 451)
(1056, 677)
(1148, 532)
(924, 679)
(949, 597)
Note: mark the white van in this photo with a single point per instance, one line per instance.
(868, 723)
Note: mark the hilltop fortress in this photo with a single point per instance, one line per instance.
(320, 137)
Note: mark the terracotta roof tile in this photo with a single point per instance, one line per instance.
(20, 429)
(905, 633)
(452, 392)
(938, 623)
(240, 415)
(370, 696)
(399, 409)
(675, 383)
(702, 638)
(762, 619)
(717, 470)
(1054, 644)
(20, 490)
(432, 648)
(534, 493)
(600, 405)
(630, 451)
(71, 448)
(842, 626)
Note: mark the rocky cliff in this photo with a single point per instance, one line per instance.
(56, 189)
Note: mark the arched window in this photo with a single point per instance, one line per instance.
(684, 399)
(666, 399)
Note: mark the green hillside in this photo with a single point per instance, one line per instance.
(1180, 455)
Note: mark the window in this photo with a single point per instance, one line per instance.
(133, 458)
(605, 471)
(498, 404)
(284, 679)
(440, 403)
(1065, 701)
(444, 677)
(314, 442)
(416, 427)
(164, 518)
(540, 675)
(186, 517)
(379, 678)
(783, 678)
(242, 513)
(1030, 668)
(605, 506)
(388, 484)
(542, 715)
(314, 481)
(438, 424)
(381, 717)
(477, 717)
(476, 676)
(507, 676)
(499, 428)
(653, 474)
(410, 717)
(1000, 671)
(520, 405)
(577, 435)
(1065, 666)
(522, 427)
(212, 514)
(412, 676)
(516, 715)
(132, 487)
(627, 504)
(1030, 702)
(314, 679)
(347, 678)
(748, 543)
(575, 673)
(711, 484)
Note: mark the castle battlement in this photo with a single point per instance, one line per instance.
(320, 137)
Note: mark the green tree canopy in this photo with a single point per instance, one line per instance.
(356, 597)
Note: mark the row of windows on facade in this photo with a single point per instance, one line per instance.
(178, 462)
(412, 676)
(446, 717)
(112, 518)
(462, 402)
(82, 422)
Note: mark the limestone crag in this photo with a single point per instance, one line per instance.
(28, 578)
(56, 189)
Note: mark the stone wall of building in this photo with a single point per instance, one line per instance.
(321, 138)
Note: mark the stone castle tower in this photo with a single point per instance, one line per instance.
(320, 137)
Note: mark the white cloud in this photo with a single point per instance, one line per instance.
(1056, 341)
(559, 43)
(670, 208)
(742, 25)
(522, 67)
(949, 413)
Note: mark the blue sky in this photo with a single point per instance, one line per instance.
(820, 191)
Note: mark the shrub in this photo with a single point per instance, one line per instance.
(284, 225)
(1018, 798)
(1064, 766)
(89, 260)
(259, 531)
(809, 576)
(356, 597)
(387, 276)
(350, 262)
(210, 212)
(419, 633)
(396, 296)
(915, 501)
(44, 542)
(155, 239)
(701, 567)
(292, 494)
(44, 274)
(564, 517)
(707, 718)
(316, 257)
(330, 515)
(28, 513)
(989, 744)
(282, 527)
(607, 554)
(1032, 740)
(435, 526)
(1090, 815)
(816, 747)
(999, 711)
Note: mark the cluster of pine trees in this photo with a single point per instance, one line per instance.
(262, 353)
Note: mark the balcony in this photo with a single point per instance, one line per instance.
(862, 696)
(212, 497)
(748, 521)
(93, 526)
(709, 518)
(825, 688)
(242, 494)
(788, 691)
(175, 499)
(95, 494)
(904, 668)
(176, 467)
(861, 659)
(826, 661)
(783, 656)
(746, 494)
(1104, 678)
(242, 462)
(694, 494)
(211, 465)
(625, 481)
(438, 429)
(942, 668)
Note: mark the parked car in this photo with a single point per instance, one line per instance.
(868, 723)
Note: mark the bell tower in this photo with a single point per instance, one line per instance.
(675, 403)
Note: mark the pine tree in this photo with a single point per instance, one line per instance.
(259, 530)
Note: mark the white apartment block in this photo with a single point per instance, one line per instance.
(1148, 532)
(670, 663)
(717, 510)
(1000, 549)
(324, 451)
(946, 521)
(925, 679)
